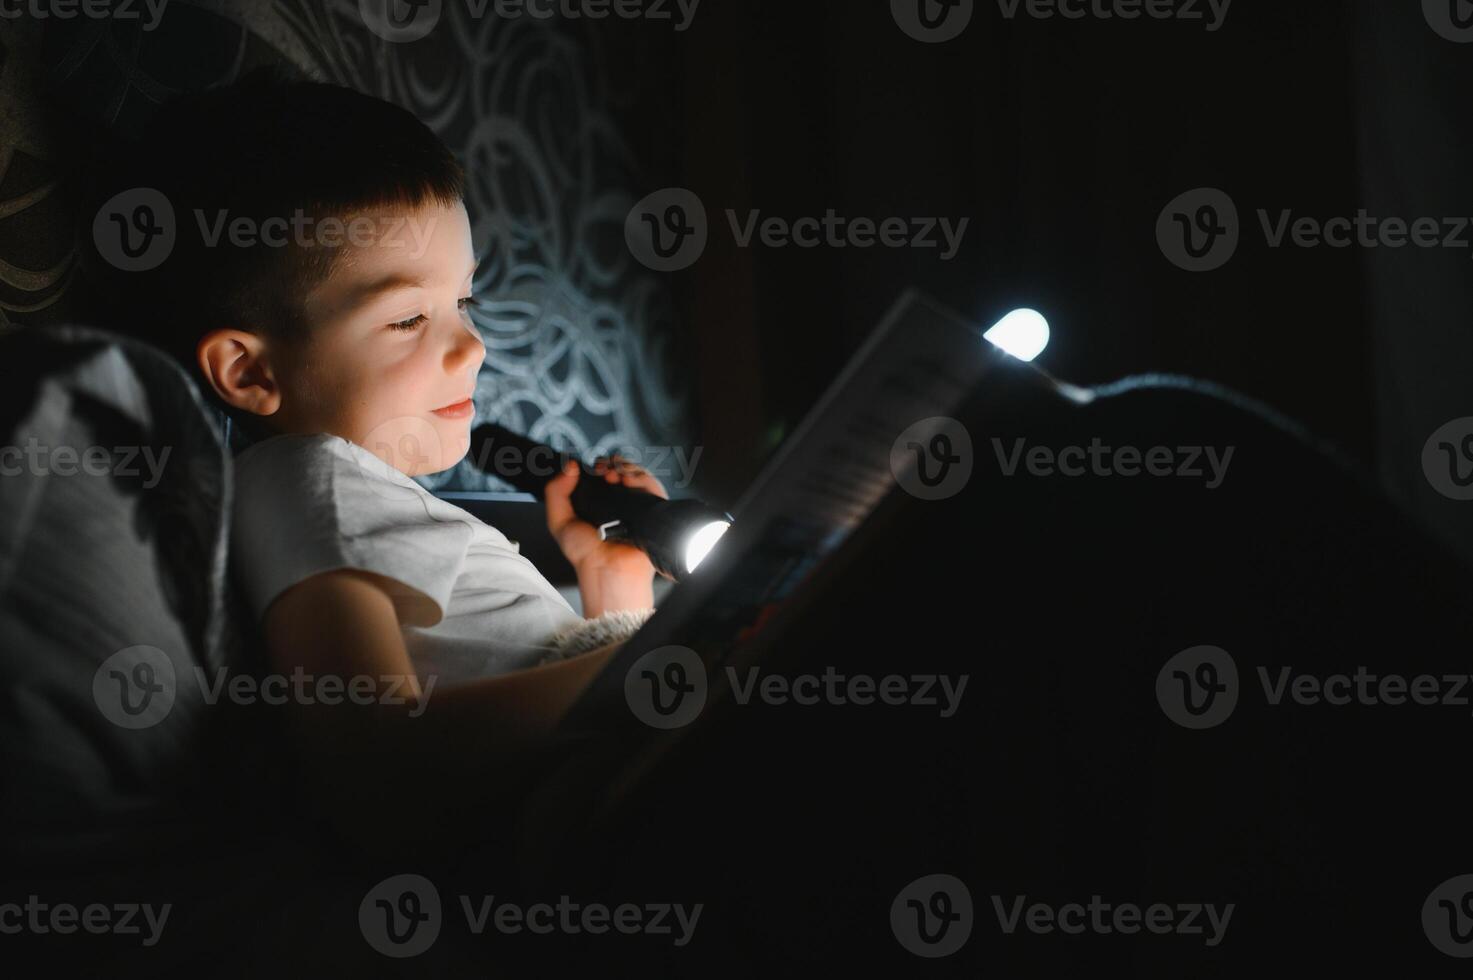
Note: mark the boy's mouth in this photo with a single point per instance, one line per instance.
(462, 409)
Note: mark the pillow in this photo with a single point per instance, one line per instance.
(115, 486)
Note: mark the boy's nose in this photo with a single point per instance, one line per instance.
(468, 349)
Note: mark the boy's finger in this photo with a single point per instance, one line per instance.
(644, 480)
(555, 497)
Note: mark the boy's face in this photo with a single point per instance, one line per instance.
(391, 358)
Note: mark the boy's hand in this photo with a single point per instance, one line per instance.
(611, 574)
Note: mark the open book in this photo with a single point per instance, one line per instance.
(825, 480)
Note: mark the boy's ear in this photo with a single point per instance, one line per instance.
(234, 362)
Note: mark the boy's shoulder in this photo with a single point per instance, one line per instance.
(307, 445)
(291, 443)
(293, 456)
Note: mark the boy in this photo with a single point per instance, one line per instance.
(318, 291)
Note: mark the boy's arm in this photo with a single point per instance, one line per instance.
(371, 759)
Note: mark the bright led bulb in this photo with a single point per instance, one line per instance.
(1022, 333)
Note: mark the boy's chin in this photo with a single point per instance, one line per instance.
(455, 444)
(418, 446)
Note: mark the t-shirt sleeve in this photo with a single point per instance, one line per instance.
(308, 504)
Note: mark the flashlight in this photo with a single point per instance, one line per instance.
(676, 534)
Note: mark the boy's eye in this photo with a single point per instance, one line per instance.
(463, 304)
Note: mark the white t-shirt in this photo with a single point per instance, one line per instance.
(469, 603)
